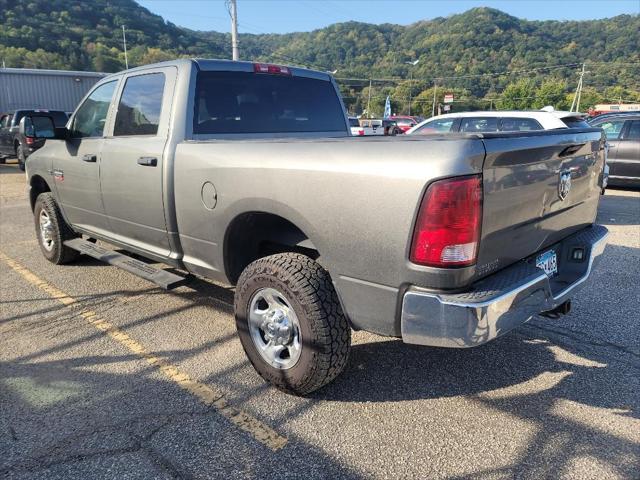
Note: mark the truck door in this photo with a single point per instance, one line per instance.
(612, 129)
(131, 173)
(5, 123)
(76, 170)
(627, 155)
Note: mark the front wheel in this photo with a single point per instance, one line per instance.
(52, 231)
(290, 322)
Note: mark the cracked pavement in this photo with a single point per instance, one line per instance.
(554, 399)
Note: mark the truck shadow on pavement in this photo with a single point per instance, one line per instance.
(616, 209)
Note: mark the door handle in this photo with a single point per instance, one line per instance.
(570, 150)
(89, 157)
(148, 161)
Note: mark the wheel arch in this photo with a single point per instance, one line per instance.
(254, 234)
(37, 186)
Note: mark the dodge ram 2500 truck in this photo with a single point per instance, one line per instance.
(246, 173)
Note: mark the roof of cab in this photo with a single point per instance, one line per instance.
(223, 66)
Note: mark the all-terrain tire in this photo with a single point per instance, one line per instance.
(22, 158)
(57, 252)
(324, 330)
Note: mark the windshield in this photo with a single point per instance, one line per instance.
(354, 122)
(242, 102)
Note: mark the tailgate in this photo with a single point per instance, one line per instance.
(539, 187)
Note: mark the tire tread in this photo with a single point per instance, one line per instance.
(314, 290)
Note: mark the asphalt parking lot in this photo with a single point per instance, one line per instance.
(103, 375)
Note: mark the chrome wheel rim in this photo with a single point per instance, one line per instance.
(46, 231)
(274, 328)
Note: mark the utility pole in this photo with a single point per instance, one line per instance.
(433, 108)
(124, 42)
(578, 94)
(233, 12)
(413, 64)
(369, 100)
(410, 85)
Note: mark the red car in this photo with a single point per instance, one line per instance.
(405, 122)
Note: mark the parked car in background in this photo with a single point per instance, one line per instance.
(405, 122)
(354, 126)
(623, 137)
(11, 144)
(500, 121)
(374, 126)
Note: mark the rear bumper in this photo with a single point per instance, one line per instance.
(500, 302)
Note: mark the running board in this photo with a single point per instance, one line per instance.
(160, 277)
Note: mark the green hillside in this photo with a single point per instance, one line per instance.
(470, 47)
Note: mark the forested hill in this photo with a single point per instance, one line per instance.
(87, 35)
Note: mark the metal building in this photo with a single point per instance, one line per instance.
(50, 89)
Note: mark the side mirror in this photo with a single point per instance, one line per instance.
(41, 126)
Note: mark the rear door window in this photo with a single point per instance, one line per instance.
(519, 125)
(479, 125)
(140, 105)
(612, 128)
(442, 125)
(633, 133)
(244, 102)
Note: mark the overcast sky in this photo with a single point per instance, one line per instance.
(267, 16)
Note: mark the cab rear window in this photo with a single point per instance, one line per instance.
(243, 102)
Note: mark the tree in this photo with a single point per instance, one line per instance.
(551, 93)
(518, 95)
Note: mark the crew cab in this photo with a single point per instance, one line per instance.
(247, 174)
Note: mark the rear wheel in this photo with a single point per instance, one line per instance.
(52, 231)
(290, 322)
(22, 158)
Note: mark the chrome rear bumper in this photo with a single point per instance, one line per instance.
(500, 302)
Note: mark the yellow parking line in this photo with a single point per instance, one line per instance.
(204, 393)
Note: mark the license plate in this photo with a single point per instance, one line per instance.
(548, 261)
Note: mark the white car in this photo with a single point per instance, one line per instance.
(354, 126)
(500, 121)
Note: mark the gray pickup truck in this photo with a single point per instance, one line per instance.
(247, 174)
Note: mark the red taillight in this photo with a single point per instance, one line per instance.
(273, 69)
(447, 232)
(30, 140)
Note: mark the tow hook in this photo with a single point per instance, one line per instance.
(562, 309)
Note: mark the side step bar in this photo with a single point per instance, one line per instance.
(162, 278)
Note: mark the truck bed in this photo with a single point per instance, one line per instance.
(356, 199)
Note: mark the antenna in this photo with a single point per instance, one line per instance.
(124, 42)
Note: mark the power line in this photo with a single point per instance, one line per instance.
(488, 74)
